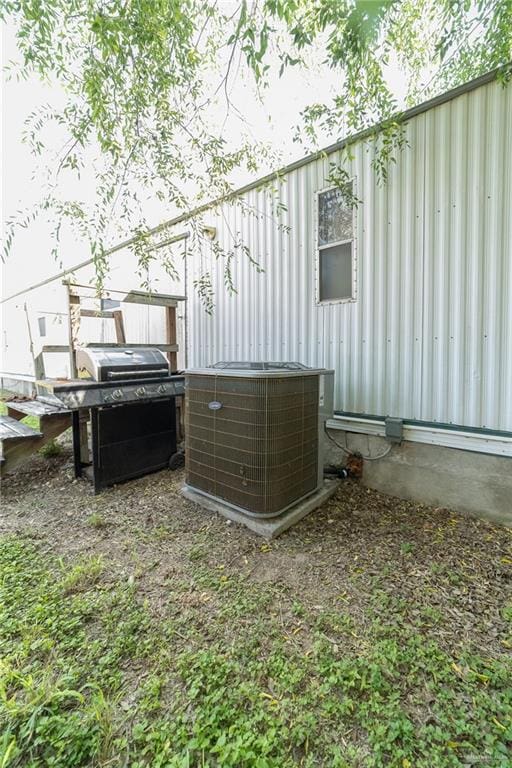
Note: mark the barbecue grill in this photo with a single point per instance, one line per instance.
(128, 398)
(114, 364)
(113, 375)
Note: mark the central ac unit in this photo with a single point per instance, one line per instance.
(254, 433)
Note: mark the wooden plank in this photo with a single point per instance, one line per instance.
(33, 408)
(130, 297)
(15, 415)
(161, 347)
(170, 329)
(18, 449)
(118, 320)
(100, 313)
(65, 348)
(39, 366)
(18, 384)
(11, 429)
(73, 329)
(152, 299)
(31, 341)
(52, 425)
(55, 348)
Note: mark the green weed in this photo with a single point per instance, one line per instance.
(83, 575)
(89, 677)
(96, 520)
(51, 450)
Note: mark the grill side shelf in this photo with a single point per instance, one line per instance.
(93, 394)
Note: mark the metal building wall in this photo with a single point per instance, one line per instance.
(429, 336)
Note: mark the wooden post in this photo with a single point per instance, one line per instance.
(170, 325)
(73, 330)
(118, 320)
(39, 366)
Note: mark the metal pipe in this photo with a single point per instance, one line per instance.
(476, 431)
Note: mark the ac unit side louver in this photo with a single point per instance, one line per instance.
(253, 433)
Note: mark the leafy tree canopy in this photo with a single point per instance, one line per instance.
(139, 76)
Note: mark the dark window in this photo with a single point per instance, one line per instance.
(336, 272)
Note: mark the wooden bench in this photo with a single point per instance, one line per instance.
(33, 408)
(12, 429)
(18, 440)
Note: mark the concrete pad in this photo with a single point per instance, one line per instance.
(269, 527)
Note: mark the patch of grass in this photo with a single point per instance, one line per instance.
(51, 450)
(432, 614)
(96, 520)
(197, 553)
(82, 575)
(235, 674)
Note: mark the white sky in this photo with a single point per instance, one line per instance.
(273, 120)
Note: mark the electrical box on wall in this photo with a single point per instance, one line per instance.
(394, 429)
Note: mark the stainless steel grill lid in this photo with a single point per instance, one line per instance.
(119, 363)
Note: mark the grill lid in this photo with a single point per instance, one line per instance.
(117, 363)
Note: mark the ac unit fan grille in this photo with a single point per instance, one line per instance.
(259, 451)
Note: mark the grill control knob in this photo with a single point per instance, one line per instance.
(162, 389)
(117, 394)
(140, 391)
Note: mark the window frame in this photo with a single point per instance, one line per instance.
(318, 248)
(41, 324)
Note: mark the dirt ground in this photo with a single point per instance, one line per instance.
(376, 633)
(359, 542)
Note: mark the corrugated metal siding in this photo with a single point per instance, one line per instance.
(429, 336)
(468, 249)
